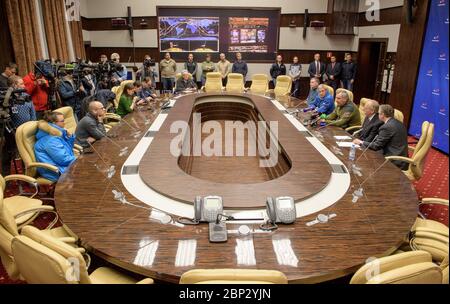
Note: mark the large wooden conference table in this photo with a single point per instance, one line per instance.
(134, 236)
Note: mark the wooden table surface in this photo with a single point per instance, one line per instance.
(372, 227)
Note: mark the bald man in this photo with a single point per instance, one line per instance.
(91, 127)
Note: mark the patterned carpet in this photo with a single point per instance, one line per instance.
(434, 183)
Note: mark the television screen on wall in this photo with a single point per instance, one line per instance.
(248, 35)
(189, 34)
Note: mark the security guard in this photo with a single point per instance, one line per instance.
(346, 113)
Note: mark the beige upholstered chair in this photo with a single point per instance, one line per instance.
(26, 139)
(417, 160)
(399, 115)
(362, 104)
(233, 276)
(45, 260)
(9, 229)
(213, 83)
(284, 86)
(235, 83)
(329, 89)
(70, 123)
(260, 84)
(413, 267)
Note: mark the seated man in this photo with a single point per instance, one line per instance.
(185, 84)
(91, 127)
(147, 92)
(313, 84)
(324, 102)
(54, 145)
(346, 114)
(392, 137)
(371, 123)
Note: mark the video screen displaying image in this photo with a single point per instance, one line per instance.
(189, 34)
(248, 35)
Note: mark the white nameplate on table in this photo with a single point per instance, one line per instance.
(346, 144)
(343, 137)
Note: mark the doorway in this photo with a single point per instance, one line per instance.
(371, 65)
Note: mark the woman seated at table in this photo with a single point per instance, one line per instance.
(54, 145)
(127, 102)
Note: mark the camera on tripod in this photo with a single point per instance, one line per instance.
(149, 63)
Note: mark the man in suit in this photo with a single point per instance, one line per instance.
(372, 122)
(316, 68)
(333, 73)
(392, 137)
(348, 73)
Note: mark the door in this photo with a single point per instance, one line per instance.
(371, 62)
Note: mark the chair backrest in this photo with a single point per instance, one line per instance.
(119, 91)
(423, 137)
(213, 82)
(25, 140)
(42, 259)
(8, 230)
(329, 89)
(420, 153)
(235, 83)
(233, 276)
(399, 115)
(413, 267)
(349, 93)
(284, 85)
(260, 84)
(70, 122)
(362, 104)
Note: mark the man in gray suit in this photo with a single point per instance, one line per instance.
(392, 137)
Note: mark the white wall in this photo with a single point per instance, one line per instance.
(316, 39)
(142, 38)
(392, 32)
(118, 8)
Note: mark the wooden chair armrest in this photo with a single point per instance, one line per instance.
(353, 128)
(435, 200)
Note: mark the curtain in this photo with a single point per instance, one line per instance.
(23, 24)
(77, 39)
(54, 14)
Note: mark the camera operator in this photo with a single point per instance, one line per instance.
(121, 71)
(10, 70)
(71, 93)
(38, 88)
(147, 70)
(103, 59)
(89, 82)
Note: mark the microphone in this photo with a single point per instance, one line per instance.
(357, 194)
(327, 125)
(111, 169)
(123, 150)
(356, 168)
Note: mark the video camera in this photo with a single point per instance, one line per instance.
(149, 63)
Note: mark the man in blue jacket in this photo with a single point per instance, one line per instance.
(54, 145)
(324, 102)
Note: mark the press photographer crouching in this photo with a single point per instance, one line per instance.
(70, 92)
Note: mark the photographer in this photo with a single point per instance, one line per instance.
(10, 70)
(147, 70)
(38, 88)
(71, 93)
(88, 82)
(120, 74)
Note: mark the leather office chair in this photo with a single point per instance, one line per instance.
(260, 84)
(235, 83)
(284, 86)
(329, 89)
(399, 115)
(349, 93)
(213, 83)
(362, 104)
(9, 229)
(417, 160)
(70, 122)
(45, 260)
(233, 276)
(413, 267)
(26, 139)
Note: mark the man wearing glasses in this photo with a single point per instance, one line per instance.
(91, 128)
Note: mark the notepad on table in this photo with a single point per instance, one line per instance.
(346, 144)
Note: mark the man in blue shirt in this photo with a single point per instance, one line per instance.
(324, 102)
(313, 85)
(121, 74)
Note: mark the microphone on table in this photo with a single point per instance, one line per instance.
(357, 194)
(327, 125)
(111, 168)
(354, 166)
(123, 150)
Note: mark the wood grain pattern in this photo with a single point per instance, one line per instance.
(372, 227)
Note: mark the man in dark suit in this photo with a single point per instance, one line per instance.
(392, 137)
(348, 73)
(333, 73)
(316, 68)
(372, 122)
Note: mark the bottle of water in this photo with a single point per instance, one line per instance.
(352, 153)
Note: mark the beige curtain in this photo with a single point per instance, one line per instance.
(23, 24)
(77, 39)
(54, 12)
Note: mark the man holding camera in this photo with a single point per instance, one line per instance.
(38, 88)
(70, 92)
(10, 70)
(147, 70)
(120, 74)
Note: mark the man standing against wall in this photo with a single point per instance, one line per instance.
(295, 71)
(333, 73)
(316, 68)
(224, 67)
(348, 73)
(168, 69)
(240, 66)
